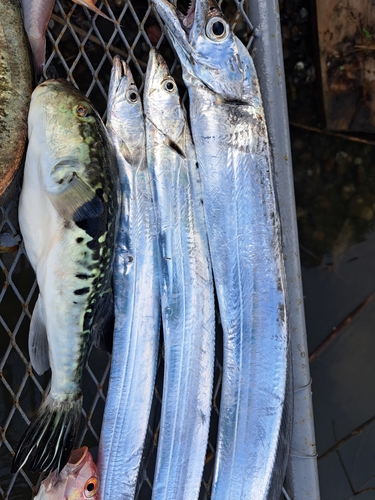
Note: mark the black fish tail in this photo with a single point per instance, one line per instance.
(51, 436)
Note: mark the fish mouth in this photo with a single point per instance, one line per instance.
(178, 25)
(157, 71)
(183, 29)
(121, 79)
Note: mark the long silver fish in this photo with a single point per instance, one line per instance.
(67, 214)
(15, 93)
(234, 157)
(136, 293)
(187, 290)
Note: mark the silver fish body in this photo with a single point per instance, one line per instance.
(67, 216)
(187, 290)
(234, 157)
(136, 294)
(15, 94)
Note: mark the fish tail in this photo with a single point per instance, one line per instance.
(51, 436)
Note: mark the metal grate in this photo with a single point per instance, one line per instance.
(80, 47)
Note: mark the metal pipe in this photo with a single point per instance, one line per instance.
(302, 474)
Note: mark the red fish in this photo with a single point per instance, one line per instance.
(90, 4)
(77, 481)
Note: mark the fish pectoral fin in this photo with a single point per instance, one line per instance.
(75, 200)
(173, 145)
(103, 324)
(38, 341)
(126, 153)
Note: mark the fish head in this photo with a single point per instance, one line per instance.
(125, 113)
(62, 124)
(161, 98)
(77, 481)
(208, 49)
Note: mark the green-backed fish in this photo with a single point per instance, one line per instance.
(68, 211)
(15, 93)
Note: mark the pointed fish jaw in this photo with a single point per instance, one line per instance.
(121, 81)
(209, 57)
(116, 75)
(172, 19)
(160, 96)
(157, 71)
(125, 114)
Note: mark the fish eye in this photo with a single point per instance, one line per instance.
(81, 110)
(169, 86)
(216, 29)
(132, 96)
(91, 487)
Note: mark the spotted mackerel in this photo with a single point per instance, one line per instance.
(186, 292)
(136, 293)
(68, 209)
(234, 157)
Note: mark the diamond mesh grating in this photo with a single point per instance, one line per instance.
(80, 47)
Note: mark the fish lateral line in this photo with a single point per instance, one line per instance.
(168, 141)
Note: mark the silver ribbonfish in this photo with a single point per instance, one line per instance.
(136, 294)
(187, 290)
(234, 157)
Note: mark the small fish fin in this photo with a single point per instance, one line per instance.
(126, 153)
(38, 342)
(176, 147)
(51, 436)
(104, 322)
(75, 200)
(90, 4)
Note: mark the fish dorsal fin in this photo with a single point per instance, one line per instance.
(104, 321)
(38, 342)
(71, 196)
